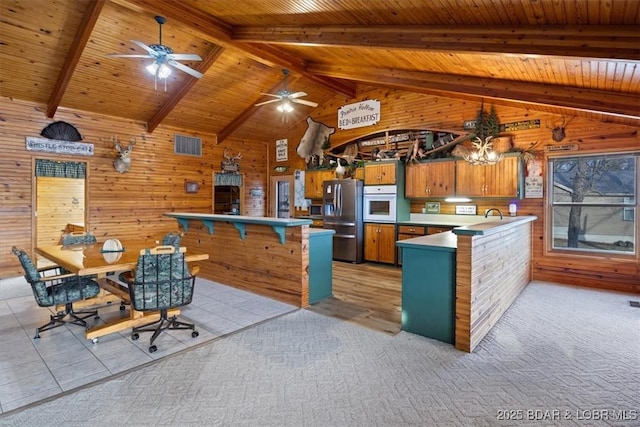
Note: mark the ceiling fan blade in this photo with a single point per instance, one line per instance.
(129, 56)
(296, 95)
(184, 56)
(271, 94)
(145, 47)
(188, 70)
(305, 102)
(266, 102)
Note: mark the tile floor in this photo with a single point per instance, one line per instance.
(62, 359)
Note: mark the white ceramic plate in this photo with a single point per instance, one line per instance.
(112, 245)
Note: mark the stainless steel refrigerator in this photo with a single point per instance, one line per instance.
(342, 212)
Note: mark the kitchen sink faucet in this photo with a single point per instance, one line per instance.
(486, 214)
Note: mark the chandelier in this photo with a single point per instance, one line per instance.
(483, 153)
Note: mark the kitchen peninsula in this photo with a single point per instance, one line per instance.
(267, 256)
(456, 285)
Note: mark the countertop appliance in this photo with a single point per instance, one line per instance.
(342, 212)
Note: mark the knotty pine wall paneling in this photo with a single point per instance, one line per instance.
(124, 206)
(406, 110)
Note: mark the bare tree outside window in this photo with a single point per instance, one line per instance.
(593, 199)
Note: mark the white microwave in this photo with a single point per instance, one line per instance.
(379, 203)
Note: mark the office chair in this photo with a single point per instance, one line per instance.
(161, 282)
(51, 287)
(172, 238)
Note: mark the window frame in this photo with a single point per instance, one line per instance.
(549, 222)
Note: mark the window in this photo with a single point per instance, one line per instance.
(593, 203)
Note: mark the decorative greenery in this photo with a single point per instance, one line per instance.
(487, 124)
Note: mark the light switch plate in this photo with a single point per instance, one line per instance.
(466, 209)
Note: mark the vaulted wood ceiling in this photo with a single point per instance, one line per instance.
(575, 57)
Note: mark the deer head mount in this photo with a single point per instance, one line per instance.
(558, 132)
(231, 164)
(122, 163)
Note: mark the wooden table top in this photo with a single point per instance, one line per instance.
(86, 260)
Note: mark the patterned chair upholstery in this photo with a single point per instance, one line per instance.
(162, 281)
(52, 286)
(173, 238)
(70, 239)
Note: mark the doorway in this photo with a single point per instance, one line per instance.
(282, 196)
(60, 199)
(228, 191)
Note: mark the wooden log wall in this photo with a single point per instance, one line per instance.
(405, 110)
(126, 206)
(491, 272)
(259, 263)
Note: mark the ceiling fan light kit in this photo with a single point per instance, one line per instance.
(163, 58)
(286, 98)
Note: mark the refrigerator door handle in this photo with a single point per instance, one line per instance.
(339, 196)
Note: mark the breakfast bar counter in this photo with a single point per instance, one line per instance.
(263, 255)
(457, 284)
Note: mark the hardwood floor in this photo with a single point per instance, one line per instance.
(366, 294)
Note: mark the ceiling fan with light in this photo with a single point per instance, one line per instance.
(163, 58)
(285, 97)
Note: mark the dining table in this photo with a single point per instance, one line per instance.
(93, 260)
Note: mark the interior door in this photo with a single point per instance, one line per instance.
(282, 196)
(60, 200)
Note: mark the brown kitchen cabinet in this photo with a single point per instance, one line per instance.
(380, 242)
(499, 180)
(436, 230)
(430, 179)
(313, 182)
(409, 232)
(380, 173)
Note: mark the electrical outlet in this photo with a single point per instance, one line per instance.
(466, 209)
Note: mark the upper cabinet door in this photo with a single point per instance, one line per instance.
(499, 180)
(380, 173)
(502, 179)
(432, 179)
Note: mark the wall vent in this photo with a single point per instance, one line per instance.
(187, 145)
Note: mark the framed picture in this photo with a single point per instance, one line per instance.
(433, 207)
(191, 187)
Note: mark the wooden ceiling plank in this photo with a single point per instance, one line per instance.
(219, 32)
(209, 59)
(249, 111)
(594, 101)
(73, 56)
(606, 41)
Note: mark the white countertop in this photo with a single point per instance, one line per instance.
(447, 220)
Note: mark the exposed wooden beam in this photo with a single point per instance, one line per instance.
(593, 101)
(209, 59)
(602, 41)
(219, 32)
(248, 112)
(89, 20)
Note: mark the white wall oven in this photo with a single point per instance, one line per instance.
(379, 203)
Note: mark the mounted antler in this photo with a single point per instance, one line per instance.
(558, 132)
(122, 163)
(231, 164)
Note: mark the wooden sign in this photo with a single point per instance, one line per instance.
(59, 147)
(360, 114)
(523, 125)
(281, 150)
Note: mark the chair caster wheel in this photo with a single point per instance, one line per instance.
(135, 336)
(97, 317)
(194, 334)
(152, 349)
(95, 340)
